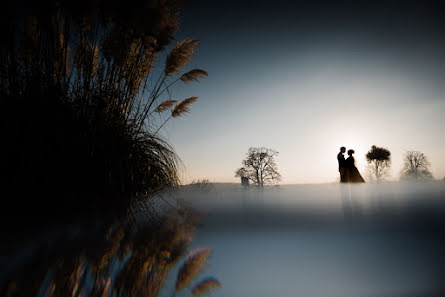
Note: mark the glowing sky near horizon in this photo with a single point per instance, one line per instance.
(304, 85)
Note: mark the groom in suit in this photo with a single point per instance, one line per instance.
(341, 164)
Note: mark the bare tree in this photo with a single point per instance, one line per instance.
(260, 167)
(379, 161)
(416, 166)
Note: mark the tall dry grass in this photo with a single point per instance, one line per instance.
(82, 90)
(84, 94)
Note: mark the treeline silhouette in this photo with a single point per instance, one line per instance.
(79, 91)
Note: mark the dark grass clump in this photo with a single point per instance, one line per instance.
(81, 104)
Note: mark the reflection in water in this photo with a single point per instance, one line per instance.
(325, 240)
(307, 240)
(350, 196)
(121, 259)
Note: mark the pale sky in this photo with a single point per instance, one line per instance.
(307, 87)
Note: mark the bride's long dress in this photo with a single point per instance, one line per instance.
(351, 172)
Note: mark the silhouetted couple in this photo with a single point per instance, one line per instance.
(348, 172)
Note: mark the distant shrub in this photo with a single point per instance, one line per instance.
(379, 162)
(201, 185)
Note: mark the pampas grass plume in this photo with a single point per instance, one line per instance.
(183, 106)
(180, 55)
(191, 267)
(193, 75)
(165, 105)
(205, 286)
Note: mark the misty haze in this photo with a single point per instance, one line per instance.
(241, 148)
(317, 240)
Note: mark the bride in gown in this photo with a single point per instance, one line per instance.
(352, 175)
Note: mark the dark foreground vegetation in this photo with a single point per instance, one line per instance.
(81, 108)
(111, 259)
(79, 95)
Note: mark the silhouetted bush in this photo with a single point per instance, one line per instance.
(201, 185)
(379, 162)
(77, 101)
